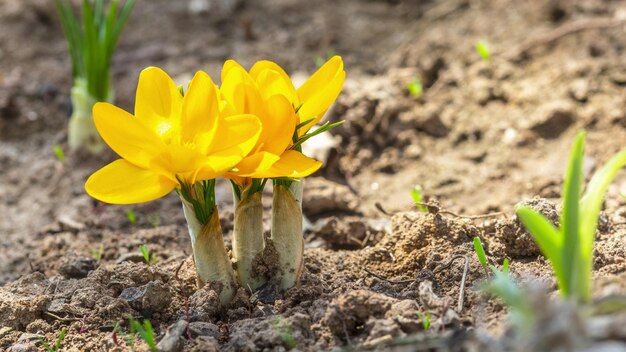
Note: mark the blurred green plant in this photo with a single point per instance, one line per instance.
(149, 258)
(283, 329)
(58, 152)
(425, 320)
(482, 48)
(418, 197)
(92, 42)
(132, 217)
(145, 331)
(415, 88)
(98, 252)
(57, 346)
(570, 247)
(482, 258)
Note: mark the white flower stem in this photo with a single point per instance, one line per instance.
(209, 253)
(287, 234)
(82, 132)
(248, 240)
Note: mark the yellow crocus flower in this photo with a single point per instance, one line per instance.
(171, 138)
(267, 91)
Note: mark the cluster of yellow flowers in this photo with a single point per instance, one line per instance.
(249, 129)
(243, 129)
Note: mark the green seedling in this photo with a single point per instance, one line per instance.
(417, 195)
(282, 327)
(57, 346)
(149, 258)
(58, 152)
(320, 60)
(570, 247)
(482, 48)
(92, 40)
(145, 331)
(415, 88)
(425, 320)
(521, 313)
(97, 252)
(132, 217)
(482, 258)
(154, 219)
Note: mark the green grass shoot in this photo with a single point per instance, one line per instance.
(418, 197)
(521, 313)
(570, 247)
(97, 252)
(58, 152)
(57, 346)
(415, 88)
(283, 329)
(482, 48)
(149, 258)
(93, 39)
(482, 258)
(132, 217)
(425, 320)
(145, 331)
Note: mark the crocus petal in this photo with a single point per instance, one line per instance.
(272, 80)
(256, 162)
(129, 138)
(291, 164)
(237, 136)
(320, 91)
(121, 182)
(158, 101)
(200, 111)
(281, 124)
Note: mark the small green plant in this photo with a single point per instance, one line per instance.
(417, 195)
(320, 60)
(97, 252)
(149, 258)
(521, 313)
(91, 41)
(425, 320)
(57, 346)
(570, 247)
(415, 88)
(482, 48)
(282, 327)
(132, 217)
(145, 331)
(482, 258)
(58, 152)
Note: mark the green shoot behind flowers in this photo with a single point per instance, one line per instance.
(91, 43)
(482, 48)
(57, 346)
(570, 247)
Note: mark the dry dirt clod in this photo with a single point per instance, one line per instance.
(202, 328)
(552, 119)
(353, 309)
(76, 267)
(149, 298)
(173, 339)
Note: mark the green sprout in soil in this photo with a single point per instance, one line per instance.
(415, 88)
(145, 331)
(570, 247)
(418, 197)
(97, 252)
(521, 313)
(57, 346)
(91, 41)
(482, 258)
(282, 327)
(132, 217)
(58, 152)
(425, 320)
(482, 48)
(149, 258)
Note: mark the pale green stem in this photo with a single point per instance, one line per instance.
(82, 132)
(287, 234)
(248, 239)
(209, 253)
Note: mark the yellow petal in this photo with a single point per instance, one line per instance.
(121, 182)
(228, 66)
(273, 80)
(316, 103)
(129, 138)
(291, 164)
(158, 101)
(320, 78)
(256, 162)
(237, 136)
(200, 111)
(280, 125)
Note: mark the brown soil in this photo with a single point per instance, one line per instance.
(485, 136)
